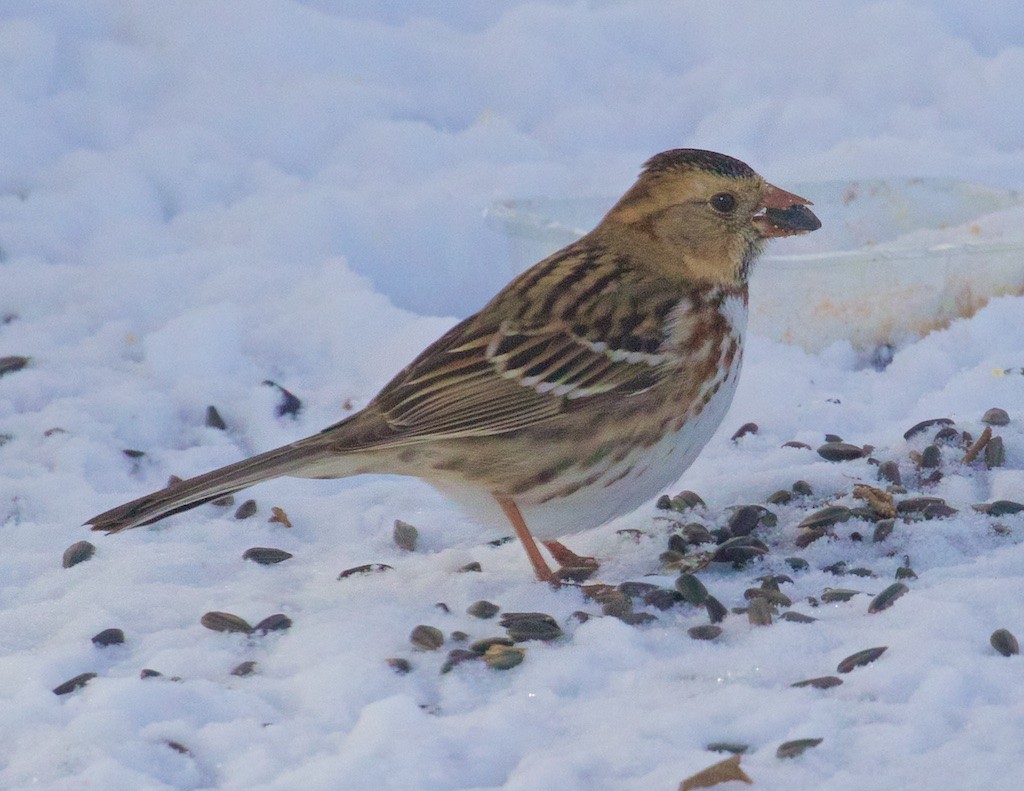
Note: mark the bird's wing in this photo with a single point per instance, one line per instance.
(492, 380)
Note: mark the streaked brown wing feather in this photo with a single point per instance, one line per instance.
(580, 325)
(519, 377)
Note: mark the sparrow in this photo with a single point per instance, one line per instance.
(582, 390)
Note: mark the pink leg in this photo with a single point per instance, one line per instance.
(540, 566)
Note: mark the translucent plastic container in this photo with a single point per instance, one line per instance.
(880, 271)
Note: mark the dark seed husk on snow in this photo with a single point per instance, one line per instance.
(693, 562)
(213, 418)
(746, 428)
(947, 434)
(696, 533)
(677, 543)
(131, 453)
(399, 664)
(149, 673)
(797, 564)
(503, 657)
(289, 404)
(832, 595)
(1000, 508)
(926, 424)
(866, 513)
(112, 636)
(995, 453)
(246, 509)
(636, 590)
(883, 529)
(905, 573)
(715, 609)
(840, 451)
(727, 747)
(367, 568)
(890, 471)
(246, 668)
(747, 518)
(12, 363)
(808, 535)
(759, 613)
(481, 646)
(458, 636)
(796, 617)
(1004, 642)
(826, 517)
(775, 597)
(277, 622)
(637, 618)
(79, 552)
(686, 500)
(664, 503)
(405, 536)
(888, 597)
(266, 556)
(796, 747)
(691, 589)
(73, 683)
(483, 609)
(917, 504)
(226, 501)
(795, 444)
(931, 457)
(617, 605)
(780, 497)
(473, 565)
(707, 631)
(861, 658)
(739, 550)
(938, 511)
(225, 622)
(860, 571)
(662, 598)
(822, 682)
(996, 417)
(457, 657)
(427, 638)
(522, 626)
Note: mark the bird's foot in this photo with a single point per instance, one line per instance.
(572, 567)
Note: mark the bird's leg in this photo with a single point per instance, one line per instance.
(576, 566)
(540, 566)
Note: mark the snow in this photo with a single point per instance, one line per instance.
(199, 197)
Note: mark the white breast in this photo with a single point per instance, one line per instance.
(651, 470)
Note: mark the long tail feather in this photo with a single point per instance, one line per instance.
(295, 459)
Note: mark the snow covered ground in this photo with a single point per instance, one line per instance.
(198, 197)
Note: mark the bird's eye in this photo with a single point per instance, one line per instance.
(723, 202)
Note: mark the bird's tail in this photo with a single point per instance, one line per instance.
(300, 458)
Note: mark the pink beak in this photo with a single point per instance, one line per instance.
(785, 214)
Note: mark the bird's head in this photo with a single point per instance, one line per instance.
(707, 213)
